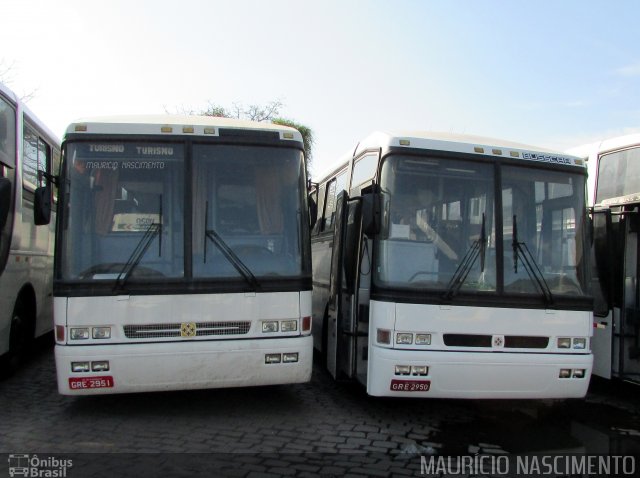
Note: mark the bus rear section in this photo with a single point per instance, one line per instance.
(459, 269)
(183, 256)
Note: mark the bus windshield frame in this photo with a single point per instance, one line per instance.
(136, 214)
(442, 240)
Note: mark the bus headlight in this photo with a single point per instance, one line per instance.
(100, 366)
(289, 325)
(79, 366)
(419, 370)
(290, 357)
(79, 333)
(580, 343)
(403, 369)
(101, 332)
(272, 358)
(270, 326)
(564, 343)
(423, 339)
(404, 339)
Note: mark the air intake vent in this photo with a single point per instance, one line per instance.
(524, 342)
(467, 340)
(510, 341)
(155, 331)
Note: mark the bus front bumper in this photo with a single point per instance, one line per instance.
(478, 375)
(183, 365)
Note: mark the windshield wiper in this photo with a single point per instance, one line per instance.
(155, 228)
(477, 249)
(228, 253)
(137, 254)
(521, 250)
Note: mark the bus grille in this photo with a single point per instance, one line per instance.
(510, 341)
(154, 331)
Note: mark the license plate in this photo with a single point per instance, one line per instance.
(83, 383)
(410, 385)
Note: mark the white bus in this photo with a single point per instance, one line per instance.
(29, 153)
(453, 266)
(182, 256)
(614, 187)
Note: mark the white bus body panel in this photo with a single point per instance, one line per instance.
(30, 261)
(177, 363)
(465, 372)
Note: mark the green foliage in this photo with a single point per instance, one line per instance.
(305, 131)
(268, 113)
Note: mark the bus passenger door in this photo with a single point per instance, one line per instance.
(605, 259)
(343, 300)
(627, 329)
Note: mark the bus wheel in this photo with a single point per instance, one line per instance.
(18, 342)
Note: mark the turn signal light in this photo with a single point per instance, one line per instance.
(383, 336)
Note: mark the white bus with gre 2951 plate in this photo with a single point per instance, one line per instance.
(182, 256)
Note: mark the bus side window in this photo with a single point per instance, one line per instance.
(320, 197)
(329, 207)
(7, 136)
(55, 170)
(36, 157)
(364, 169)
(336, 186)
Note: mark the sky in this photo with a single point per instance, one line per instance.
(551, 73)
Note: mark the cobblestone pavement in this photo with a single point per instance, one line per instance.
(321, 428)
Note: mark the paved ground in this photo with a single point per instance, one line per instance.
(321, 428)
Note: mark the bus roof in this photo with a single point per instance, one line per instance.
(592, 150)
(173, 124)
(16, 102)
(464, 144)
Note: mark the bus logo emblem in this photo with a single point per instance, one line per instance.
(188, 329)
(498, 341)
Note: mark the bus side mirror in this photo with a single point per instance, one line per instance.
(5, 201)
(42, 205)
(371, 210)
(313, 212)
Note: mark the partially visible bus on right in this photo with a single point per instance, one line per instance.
(614, 194)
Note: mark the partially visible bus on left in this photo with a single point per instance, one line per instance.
(29, 154)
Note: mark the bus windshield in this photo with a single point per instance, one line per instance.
(618, 174)
(439, 228)
(125, 212)
(433, 214)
